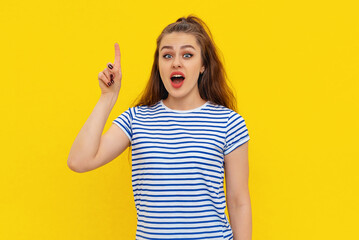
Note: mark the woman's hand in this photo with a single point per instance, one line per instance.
(110, 77)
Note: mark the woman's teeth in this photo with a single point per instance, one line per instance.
(177, 78)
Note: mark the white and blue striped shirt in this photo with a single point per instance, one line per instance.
(178, 168)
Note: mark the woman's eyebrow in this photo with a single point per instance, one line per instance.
(184, 46)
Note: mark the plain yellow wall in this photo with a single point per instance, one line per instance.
(294, 67)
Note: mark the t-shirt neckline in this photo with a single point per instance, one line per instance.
(183, 111)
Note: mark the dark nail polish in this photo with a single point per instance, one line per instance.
(109, 84)
(110, 66)
(112, 81)
(111, 76)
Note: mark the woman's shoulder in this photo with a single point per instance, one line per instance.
(218, 107)
(146, 108)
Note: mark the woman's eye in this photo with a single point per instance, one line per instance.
(187, 54)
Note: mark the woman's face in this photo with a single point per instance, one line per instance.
(179, 54)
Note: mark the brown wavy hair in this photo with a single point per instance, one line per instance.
(212, 84)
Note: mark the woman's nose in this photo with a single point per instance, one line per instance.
(176, 62)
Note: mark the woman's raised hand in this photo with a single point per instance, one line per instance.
(110, 77)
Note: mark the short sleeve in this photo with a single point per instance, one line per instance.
(124, 121)
(236, 132)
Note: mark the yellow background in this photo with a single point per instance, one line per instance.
(294, 67)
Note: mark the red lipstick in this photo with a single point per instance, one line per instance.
(177, 73)
(177, 79)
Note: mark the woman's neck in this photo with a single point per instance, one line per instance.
(183, 104)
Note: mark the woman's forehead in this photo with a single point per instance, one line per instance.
(177, 39)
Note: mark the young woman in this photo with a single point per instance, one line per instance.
(184, 134)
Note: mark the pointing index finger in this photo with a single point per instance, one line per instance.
(117, 56)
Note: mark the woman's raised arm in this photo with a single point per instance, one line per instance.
(86, 146)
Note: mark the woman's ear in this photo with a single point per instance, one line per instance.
(202, 69)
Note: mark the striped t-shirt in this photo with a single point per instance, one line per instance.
(178, 168)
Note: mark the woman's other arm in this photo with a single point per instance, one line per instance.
(237, 193)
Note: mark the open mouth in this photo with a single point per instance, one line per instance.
(177, 79)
